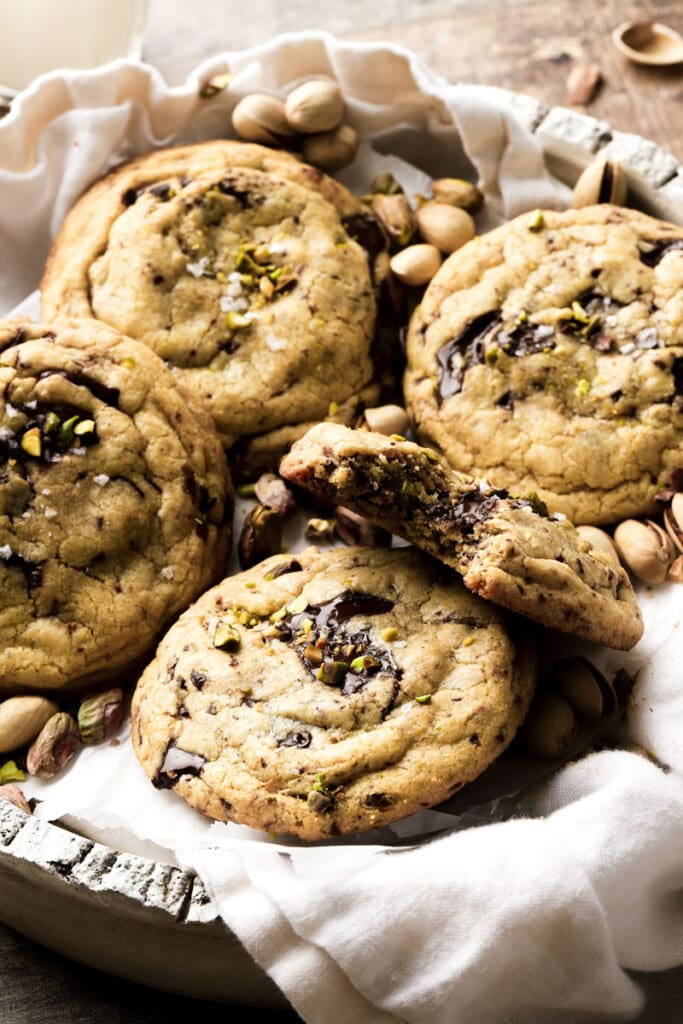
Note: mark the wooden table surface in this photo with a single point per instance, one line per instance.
(527, 45)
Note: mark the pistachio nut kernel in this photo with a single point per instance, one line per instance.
(458, 192)
(645, 549)
(261, 118)
(331, 151)
(9, 772)
(13, 795)
(396, 217)
(599, 540)
(673, 521)
(417, 264)
(446, 227)
(21, 719)
(550, 727)
(386, 184)
(316, 106)
(54, 746)
(603, 181)
(100, 716)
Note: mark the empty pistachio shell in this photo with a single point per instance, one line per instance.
(261, 536)
(332, 150)
(645, 549)
(100, 716)
(446, 227)
(417, 264)
(13, 795)
(601, 541)
(21, 719)
(577, 681)
(396, 216)
(387, 419)
(603, 181)
(54, 746)
(261, 118)
(673, 521)
(316, 106)
(550, 726)
(458, 192)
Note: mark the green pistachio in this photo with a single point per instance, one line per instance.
(226, 637)
(32, 443)
(236, 321)
(52, 421)
(424, 698)
(332, 673)
(364, 663)
(10, 773)
(100, 716)
(537, 221)
(66, 431)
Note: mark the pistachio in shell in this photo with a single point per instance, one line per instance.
(54, 746)
(673, 521)
(271, 490)
(645, 548)
(261, 118)
(396, 217)
(600, 540)
(583, 687)
(21, 719)
(14, 795)
(261, 536)
(387, 419)
(458, 192)
(100, 716)
(417, 264)
(330, 151)
(445, 227)
(603, 181)
(550, 727)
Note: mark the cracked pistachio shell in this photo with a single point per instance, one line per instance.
(645, 548)
(261, 118)
(316, 106)
(603, 181)
(601, 541)
(417, 264)
(444, 226)
(550, 727)
(21, 719)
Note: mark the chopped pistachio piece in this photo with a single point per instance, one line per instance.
(333, 409)
(84, 427)
(52, 421)
(424, 698)
(66, 431)
(299, 604)
(246, 490)
(313, 654)
(364, 663)
(332, 673)
(537, 221)
(236, 321)
(10, 773)
(388, 634)
(32, 443)
(226, 637)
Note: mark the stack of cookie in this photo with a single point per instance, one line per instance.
(332, 691)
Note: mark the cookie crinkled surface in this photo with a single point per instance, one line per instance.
(547, 356)
(331, 692)
(238, 266)
(116, 503)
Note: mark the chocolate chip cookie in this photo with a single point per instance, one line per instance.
(547, 356)
(115, 503)
(239, 267)
(329, 693)
(507, 548)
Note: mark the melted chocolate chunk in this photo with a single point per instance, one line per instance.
(348, 660)
(228, 189)
(459, 353)
(677, 374)
(131, 196)
(295, 739)
(377, 800)
(365, 230)
(54, 443)
(526, 339)
(162, 191)
(288, 567)
(653, 252)
(476, 507)
(177, 762)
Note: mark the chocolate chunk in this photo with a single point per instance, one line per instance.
(365, 230)
(459, 353)
(652, 252)
(197, 679)
(288, 567)
(295, 739)
(177, 762)
(228, 189)
(377, 800)
(161, 191)
(677, 374)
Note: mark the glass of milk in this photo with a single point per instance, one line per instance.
(40, 35)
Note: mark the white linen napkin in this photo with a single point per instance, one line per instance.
(519, 921)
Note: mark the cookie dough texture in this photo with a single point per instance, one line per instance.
(430, 687)
(115, 503)
(547, 356)
(238, 266)
(508, 550)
